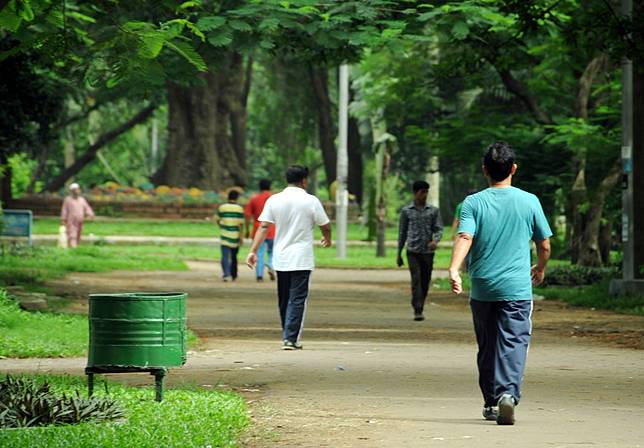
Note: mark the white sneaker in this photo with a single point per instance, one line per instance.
(288, 345)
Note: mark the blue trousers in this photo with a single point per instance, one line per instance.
(503, 331)
(229, 261)
(266, 248)
(292, 294)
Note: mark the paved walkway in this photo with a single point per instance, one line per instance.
(369, 376)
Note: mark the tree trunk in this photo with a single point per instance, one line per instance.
(381, 141)
(5, 178)
(320, 82)
(43, 156)
(589, 251)
(578, 196)
(59, 181)
(638, 149)
(207, 131)
(355, 160)
(238, 110)
(605, 241)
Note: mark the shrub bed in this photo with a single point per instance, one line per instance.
(574, 275)
(185, 418)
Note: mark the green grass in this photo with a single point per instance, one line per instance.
(34, 267)
(174, 228)
(594, 296)
(133, 227)
(24, 334)
(42, 263)
(44, 335)
(186, 418)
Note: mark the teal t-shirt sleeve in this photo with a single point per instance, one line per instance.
(541, 227)
(467, 223)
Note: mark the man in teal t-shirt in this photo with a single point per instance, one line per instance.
(495, 230)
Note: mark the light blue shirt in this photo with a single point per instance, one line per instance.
(502, 222)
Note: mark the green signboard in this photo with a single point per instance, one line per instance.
(17, 223)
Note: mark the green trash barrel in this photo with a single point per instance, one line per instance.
(137, 330)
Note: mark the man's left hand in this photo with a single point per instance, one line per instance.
(433, 245)
(537, 275)
(326, 242)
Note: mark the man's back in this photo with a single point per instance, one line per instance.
(230, 218)
(295, 213)
(502, 221)
(254, 208)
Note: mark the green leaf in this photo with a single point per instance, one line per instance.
(460, 30)
(23, 8)
(210, 23)
(270, 24)
(189, 53)
(187, 5)
(426, 16)
(240, 25)
(220, 39)
(391, 33)
(9, 19)
(151, 44)
(308, 10)
(80, 17)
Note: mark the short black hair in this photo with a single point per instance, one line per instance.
(419, 185)
(233, 195)
(498, 160)
(296, 174)
(264, 184)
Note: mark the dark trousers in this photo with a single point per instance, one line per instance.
(292, 293)
(420, 268)
(503, 331)
(229, 261)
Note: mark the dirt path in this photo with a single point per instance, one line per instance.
(371, 377)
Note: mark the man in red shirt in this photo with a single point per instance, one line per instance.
(253, 210)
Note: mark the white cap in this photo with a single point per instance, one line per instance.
(74, 186)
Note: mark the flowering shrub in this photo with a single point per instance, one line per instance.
(111, 191)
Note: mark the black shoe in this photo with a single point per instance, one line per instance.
(506, 410)
(260, 279)
(490, 412)
(418, 316)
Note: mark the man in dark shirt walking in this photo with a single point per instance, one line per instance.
(421, 228)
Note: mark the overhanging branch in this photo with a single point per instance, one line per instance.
(59, 181)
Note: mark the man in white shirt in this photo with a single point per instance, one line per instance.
(295, 214)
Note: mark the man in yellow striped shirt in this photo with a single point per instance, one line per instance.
(230, 217)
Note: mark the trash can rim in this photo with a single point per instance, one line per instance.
(139, 295)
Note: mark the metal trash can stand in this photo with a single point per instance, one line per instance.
(136, 332)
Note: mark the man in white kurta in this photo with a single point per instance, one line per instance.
(74, 211)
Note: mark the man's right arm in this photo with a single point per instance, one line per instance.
(538, 271)
(64, 212)
(462, 246)
(260, 236)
